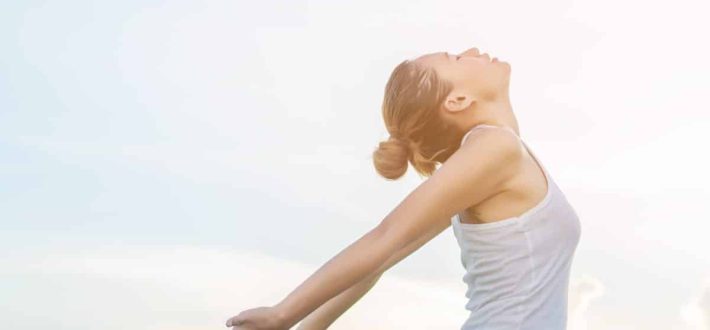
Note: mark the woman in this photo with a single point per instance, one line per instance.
(515, 227)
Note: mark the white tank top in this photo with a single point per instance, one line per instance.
(517, 269)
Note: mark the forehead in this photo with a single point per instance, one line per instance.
(433, 57)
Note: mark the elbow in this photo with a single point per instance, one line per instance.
(390, 236)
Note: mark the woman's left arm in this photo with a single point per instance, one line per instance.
(476, 171)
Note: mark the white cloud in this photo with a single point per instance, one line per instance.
(213, 284)
(582, 292)
(696, 313)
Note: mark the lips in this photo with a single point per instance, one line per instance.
(486, 56)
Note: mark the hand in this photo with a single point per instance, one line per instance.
(260, 318)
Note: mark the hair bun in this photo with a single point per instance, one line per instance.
(403, 143)
(391, 158)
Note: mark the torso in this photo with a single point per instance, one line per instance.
(517, 248)
(523, 191)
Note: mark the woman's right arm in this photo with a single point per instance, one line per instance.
(326, 314)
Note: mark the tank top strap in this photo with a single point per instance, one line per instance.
(516, 135)
(486, 125)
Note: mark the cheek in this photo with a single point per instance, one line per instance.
(480, 77)
(477, 76)
(477, 70)
(491, 73)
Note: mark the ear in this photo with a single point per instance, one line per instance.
(458, 101)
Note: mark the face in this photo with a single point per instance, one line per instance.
(474, 75)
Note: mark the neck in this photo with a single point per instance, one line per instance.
(496, 113)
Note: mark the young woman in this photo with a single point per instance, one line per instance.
(516, 230)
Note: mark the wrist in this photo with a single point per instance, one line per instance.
(283, 317)
(307, 324)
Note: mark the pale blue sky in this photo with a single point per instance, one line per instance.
(165, 165)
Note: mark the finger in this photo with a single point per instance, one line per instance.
(236, 320)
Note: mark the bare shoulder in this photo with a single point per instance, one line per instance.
(484, 165)
(492, 143)
(480, 168)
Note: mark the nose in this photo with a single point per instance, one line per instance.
(471, 52)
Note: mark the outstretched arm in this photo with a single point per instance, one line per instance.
(477, 170)
(326, 314)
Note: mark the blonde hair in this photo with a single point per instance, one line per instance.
(418, 134)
